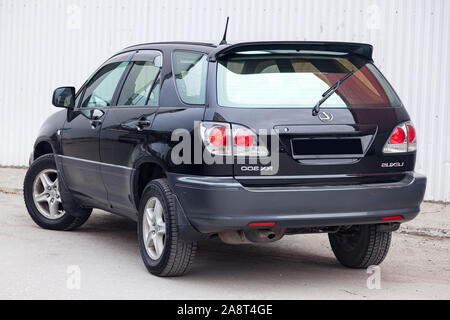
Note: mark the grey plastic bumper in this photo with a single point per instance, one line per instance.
(213, 204)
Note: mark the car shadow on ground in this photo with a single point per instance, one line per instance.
(215, 257)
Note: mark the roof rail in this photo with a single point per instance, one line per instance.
(207, 44)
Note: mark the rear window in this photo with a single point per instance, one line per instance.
(256, 80)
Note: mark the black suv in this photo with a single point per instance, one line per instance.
(248, 142)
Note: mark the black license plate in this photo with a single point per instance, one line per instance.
(326, 148)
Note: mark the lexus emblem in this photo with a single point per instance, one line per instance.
(325, 116)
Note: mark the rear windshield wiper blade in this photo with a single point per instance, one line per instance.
(329, 92)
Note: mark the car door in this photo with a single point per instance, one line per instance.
(81, 134)
(126, 129)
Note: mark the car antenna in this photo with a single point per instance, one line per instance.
(224, 39)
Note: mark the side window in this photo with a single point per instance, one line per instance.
(142, 86)
(77, 100)
(100, 90)
(190, 71)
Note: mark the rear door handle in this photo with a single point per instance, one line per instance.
(138, 125)
(143, 123)
(95, 123)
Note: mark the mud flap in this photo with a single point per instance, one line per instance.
(186, 230)
(71, 207)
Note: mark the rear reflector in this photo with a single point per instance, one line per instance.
(392, 218)
(261, 224)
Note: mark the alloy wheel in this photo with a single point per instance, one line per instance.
(154, 228)
(46, 194)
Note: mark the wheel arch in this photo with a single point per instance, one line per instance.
(42, 147)
(145, 171)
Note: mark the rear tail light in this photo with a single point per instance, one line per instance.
(216, 137)
(402, 139)
(412, 141)
(245, 143)
(398, 136)
(219, 139)
(243, 137)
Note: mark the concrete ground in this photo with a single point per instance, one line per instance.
(103, 255)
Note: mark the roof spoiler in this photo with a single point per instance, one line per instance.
(361, 49)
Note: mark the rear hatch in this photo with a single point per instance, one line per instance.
(274, 91)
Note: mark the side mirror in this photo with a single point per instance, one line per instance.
(64, 97)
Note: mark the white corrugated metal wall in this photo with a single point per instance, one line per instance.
(49, 43)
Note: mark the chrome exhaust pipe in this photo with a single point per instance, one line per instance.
(264, 235)
(251, 236)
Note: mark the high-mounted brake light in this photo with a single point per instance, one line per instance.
(402, 139)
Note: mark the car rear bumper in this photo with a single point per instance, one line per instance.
(213, 204)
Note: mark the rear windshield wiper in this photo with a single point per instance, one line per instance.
(329, 92)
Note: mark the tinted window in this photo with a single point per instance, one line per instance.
(77, 100)
(142, 81)
(100, 89)
(190, 76)
(288, 81)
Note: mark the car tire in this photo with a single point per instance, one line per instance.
(360, 246)
(163, 252)
(38, 199)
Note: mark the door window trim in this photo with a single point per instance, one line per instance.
(83, 89)
(121, 57)
(122, 81)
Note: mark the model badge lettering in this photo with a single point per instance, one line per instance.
(392, 164)
(256, 168)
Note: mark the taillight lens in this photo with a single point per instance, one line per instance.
(411, 133)
(402, 139)
(398, 136)
(244, 137)
(216, 137)
(245, 143)
(412, 141)
(219, 139)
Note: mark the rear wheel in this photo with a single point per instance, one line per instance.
(163, 252)
(43, 199)
(360, 246)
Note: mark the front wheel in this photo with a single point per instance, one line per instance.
(163, 252)
(43, 199)
(360, 246)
